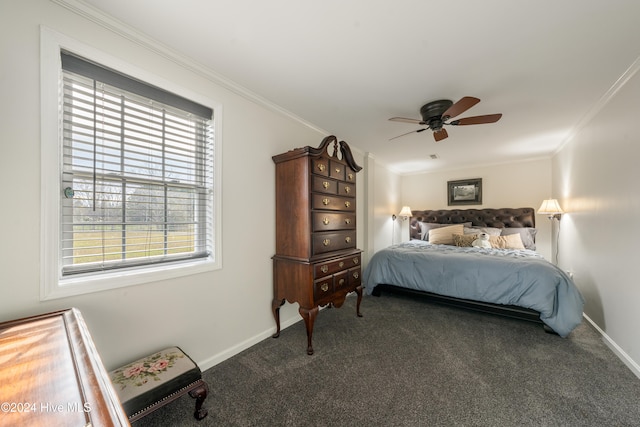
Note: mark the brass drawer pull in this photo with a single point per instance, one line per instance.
(341, 282)
(325, 184)
(347, 204)
(324, 287)
(347, 239)
(326, 242)
(350, 177)
(356, 261)
(341, 264)
(356, 275)
(337, 170)
(326, 201)
(324, 268)
(321, 167)
(347, 189)
(325, 221)
(347, 221)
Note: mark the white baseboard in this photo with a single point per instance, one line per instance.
(626, 359)
(232, 351)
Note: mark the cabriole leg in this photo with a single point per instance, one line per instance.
(275, 307)
(309, 316)
(200, 394)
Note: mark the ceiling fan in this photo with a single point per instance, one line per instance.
(436, 114)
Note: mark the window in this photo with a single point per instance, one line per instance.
(136, 182)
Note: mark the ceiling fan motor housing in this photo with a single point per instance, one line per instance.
(432, 113)
(437, 113)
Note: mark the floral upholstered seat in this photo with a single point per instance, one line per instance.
(153, 381)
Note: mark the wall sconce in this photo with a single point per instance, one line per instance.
(551, 208)
(405, 213)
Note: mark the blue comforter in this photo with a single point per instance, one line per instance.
(502, 276)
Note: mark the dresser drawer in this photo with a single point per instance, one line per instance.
(323, 288)
(346, 189)
(334, 203)
(341, 280)
(323, 184)
(329, 242)
(337, 170)
(320, 167)
(355, 276)
(325, 221)
(345, 279)
(331, 267)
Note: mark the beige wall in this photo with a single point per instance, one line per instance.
(211, 315)
(385, 202)
(596, 178)
(523, 184)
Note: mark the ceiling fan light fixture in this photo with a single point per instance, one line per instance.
(436, 124)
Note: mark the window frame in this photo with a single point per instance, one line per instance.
(52, 283)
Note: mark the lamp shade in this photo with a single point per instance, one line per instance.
(405, 212)
(550, 207)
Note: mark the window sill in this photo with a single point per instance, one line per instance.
(88, 283)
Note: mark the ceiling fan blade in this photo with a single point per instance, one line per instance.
(476, 120)
(413, 131)
(405, 120)
(439, 135)
(460, 107)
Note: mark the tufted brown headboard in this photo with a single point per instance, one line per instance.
(499, 218)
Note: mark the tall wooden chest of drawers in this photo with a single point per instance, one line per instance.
(316, 261)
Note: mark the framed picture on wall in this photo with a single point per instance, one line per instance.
(464, 192)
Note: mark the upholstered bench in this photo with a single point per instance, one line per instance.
(153, 381)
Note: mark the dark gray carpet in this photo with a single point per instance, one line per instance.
(408, 362)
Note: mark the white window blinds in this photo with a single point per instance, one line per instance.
(137, 172)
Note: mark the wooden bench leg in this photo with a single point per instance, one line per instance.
(200, 394)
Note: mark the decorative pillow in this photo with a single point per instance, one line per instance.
(491, 231)
(444, 235)
(426, 226)
(527, 234)
(464, 240)
(512, 241)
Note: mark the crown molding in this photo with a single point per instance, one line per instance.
(118, 27)
(602, 102)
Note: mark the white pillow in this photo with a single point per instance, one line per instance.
(425, 227)
(444, 235)
(511, 241)
(491, 231)
(527, 234)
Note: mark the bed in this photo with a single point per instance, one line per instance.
(510, 279)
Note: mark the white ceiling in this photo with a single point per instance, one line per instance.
(347, 66)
